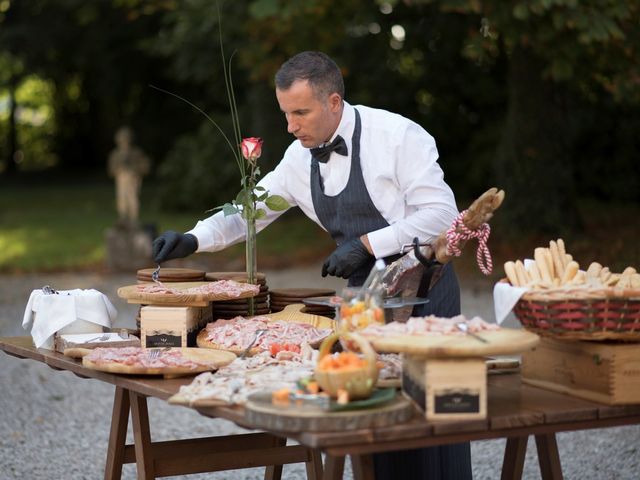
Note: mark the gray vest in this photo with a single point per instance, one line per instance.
(351, 214)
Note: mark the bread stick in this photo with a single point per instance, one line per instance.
(534, 273)
(594, 270)
(550, 265)
(558, 264)
(523, 278)
(629, 271)
(579, 279)
(541, 263)
(562, 252)
(510, 271)
(569, 272)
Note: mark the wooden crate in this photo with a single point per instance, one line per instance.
(604, 372)
(451, 389)
(172, 326)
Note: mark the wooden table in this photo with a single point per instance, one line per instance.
(160, 459)
(515, 412)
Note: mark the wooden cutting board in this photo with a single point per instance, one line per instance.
(506, 341)
(262, 414)
(300, 293)
(168, 274)
(214, 359)
(291, 313)
(132, 295)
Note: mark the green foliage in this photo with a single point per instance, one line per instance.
(454, 71)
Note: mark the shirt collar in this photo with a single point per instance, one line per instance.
(346, 125)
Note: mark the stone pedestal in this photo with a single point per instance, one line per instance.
(128, 248)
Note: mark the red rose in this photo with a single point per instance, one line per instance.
(251, 148)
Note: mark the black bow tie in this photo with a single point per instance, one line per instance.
(322, 154)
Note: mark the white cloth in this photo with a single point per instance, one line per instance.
(505, 297)
(68, 311)
(400, 169)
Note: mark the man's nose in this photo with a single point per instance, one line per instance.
(292, 126)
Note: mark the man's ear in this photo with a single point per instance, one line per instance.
(335, 102)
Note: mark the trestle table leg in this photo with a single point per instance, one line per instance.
(117, 435)
(514, 454)
(141, 436)
(314, 465)
(362, 467)
(274, 472)
(548, 457)
(333, 467)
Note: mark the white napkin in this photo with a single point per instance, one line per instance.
(68, 311)
(505, 297)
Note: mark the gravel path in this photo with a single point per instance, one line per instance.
(55, 425)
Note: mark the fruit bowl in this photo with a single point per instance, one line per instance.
(347, 371)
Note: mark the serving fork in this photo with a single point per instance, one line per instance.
(259, 332)
(463, 327)
(155, 276)
(154, 353)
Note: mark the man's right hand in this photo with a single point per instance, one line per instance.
(172, 244)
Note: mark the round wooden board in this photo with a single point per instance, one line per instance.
(299, 293)
(237, 276)
(214, 358)
(291, 313)
(170, 274)
(131, 293)
(506, 341)
(262, 414)
(203, 343)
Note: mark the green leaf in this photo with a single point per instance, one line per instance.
(229, 209)
(378, 397)
(276, 203)
(242, 198)
(260, 213)
(260, 189)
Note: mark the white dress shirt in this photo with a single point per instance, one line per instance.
(400, 169)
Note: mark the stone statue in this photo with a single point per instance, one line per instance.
(127, 164)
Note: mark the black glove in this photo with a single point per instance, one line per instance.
(346, 259)
(173, 245)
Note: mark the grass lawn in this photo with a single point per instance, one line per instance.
(61, 226)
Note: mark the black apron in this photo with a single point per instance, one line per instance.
(351, 214)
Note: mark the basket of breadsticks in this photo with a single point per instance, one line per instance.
(562, 300)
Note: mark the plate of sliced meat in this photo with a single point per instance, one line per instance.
(433, 336)
(239, 333)
(148, 361)
(187, 293)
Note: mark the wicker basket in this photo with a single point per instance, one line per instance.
(582, 313)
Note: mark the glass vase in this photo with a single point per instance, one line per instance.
(251, 257)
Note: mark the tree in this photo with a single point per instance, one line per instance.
(560, 53)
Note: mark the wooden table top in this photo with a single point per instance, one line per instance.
(514, 409)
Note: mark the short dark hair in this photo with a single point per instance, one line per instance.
(317, 68)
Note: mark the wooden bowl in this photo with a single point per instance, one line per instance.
(358, 382)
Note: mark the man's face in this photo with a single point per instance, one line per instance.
(310, 119)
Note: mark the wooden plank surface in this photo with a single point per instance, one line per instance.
(510, 414)
(132, 294)
(506, 341)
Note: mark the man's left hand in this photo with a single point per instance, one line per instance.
(346, 259)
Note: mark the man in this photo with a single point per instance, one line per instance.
(371, 179)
